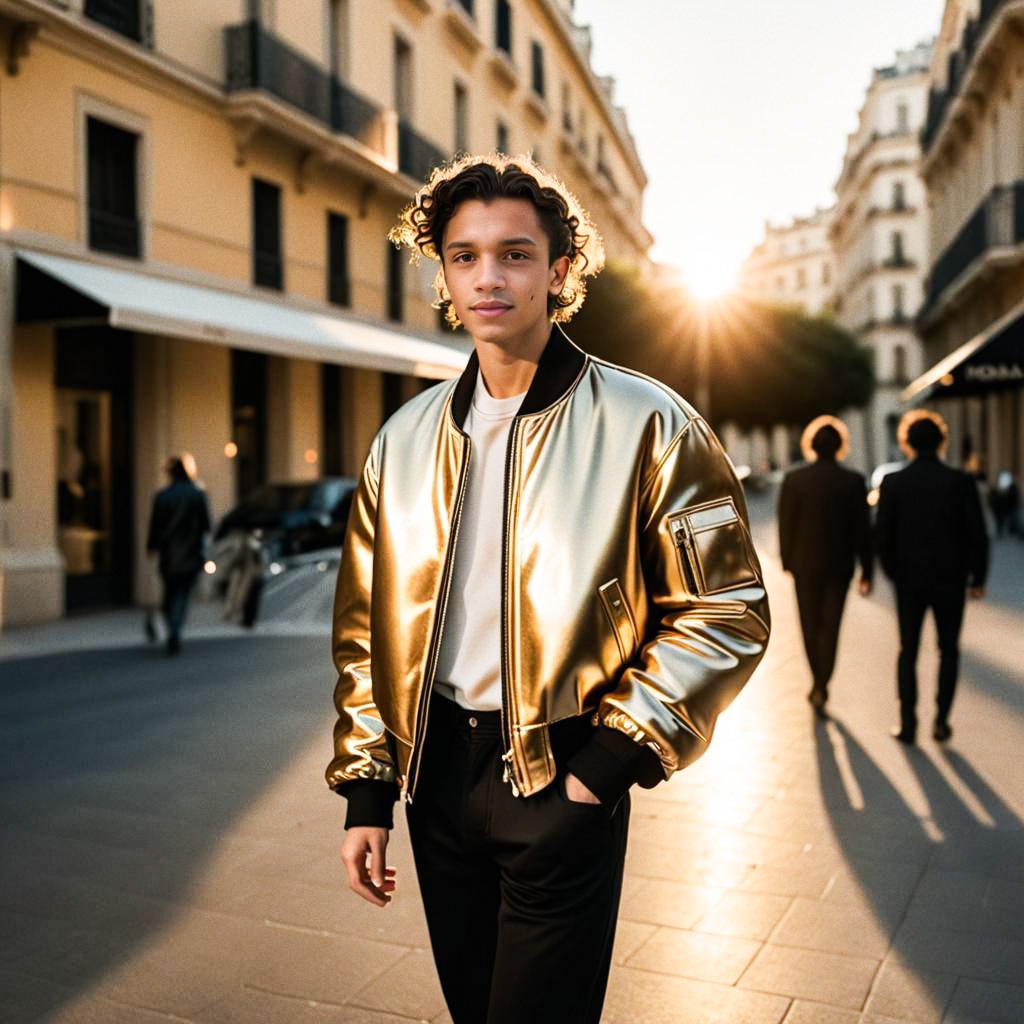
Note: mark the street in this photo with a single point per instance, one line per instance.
(170, 848)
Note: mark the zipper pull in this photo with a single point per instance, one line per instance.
(507, 775)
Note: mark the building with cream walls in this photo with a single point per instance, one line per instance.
(879, 236)
(194, 198)
(792, 265)
(972, 162)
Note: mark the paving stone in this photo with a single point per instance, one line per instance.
(745, 915)
(695, 955)
(910, 994)
(249, 1006)
(87, 1010)
(27, 999)
(835, 928)
(675, 904)
(803, 880)
(635, 995)
(953, 952)
(802, 1012)
(653, 860)
(629, 937)
(409, 988)
(841, 981)
(986, 1001)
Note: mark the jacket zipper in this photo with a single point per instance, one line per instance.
(420, 734)
(509, 773)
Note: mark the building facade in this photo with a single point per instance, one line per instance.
(972, 320)
(879, 236)
(793, 265)
(194, 198)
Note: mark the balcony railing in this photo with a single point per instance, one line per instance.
(959, 62)
(123, 16)
(257, 59)
(110, 232)
(997, 221)
(417, 157)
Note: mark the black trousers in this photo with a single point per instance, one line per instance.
(821, 600)
(946, 601)
(177, 590)
(521, 893)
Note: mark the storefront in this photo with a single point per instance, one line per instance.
(114, 369)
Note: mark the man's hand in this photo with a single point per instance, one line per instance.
(362, 853)
(577, 792)
(864, 587)
(977, 593)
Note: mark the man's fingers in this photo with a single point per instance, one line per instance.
(357, 856)
(378, 848)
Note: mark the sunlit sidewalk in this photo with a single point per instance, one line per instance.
(170, 851)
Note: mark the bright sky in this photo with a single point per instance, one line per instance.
(740, 109)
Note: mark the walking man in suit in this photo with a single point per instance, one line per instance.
(824, 529)
(178, 525)
(933, 545)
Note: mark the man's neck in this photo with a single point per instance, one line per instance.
(508, 368)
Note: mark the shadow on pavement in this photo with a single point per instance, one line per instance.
(927, 881)
(121, 773)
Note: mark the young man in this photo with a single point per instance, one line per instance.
(824, 528)
(547, 593)
(933, 544)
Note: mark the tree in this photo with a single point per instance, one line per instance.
(767, 364)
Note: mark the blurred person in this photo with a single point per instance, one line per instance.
(824, 529)
(1004, 501)
(547, 594)
(178, 525)
(932, 542)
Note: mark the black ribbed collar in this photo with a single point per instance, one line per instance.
(559, 366)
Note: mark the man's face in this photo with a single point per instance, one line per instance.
(497, 269)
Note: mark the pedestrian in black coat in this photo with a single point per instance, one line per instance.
(178, 526)
(932, 542)
(824, 529)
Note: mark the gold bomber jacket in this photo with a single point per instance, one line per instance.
(630, 587)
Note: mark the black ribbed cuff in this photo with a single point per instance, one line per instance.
(371, 802)
(610, 762)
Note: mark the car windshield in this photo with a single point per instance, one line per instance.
(317, 496)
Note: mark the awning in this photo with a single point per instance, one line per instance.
(991, 361)
(57, 288)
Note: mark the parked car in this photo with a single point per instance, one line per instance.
(294, 517)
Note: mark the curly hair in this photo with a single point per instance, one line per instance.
(569, 229)
(831, 424)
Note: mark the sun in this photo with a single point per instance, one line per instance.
(709, 275)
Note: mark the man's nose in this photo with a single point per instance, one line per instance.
(490, 276)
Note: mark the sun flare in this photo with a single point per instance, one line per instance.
(709, 275)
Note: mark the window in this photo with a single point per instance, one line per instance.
(249, 419)
(501, 137)
(467, 6)
(826, 273)
(267, 269)
(402, 84)
(331, 421)
(338, 290)
(899, 198)
(801, 277)
(337, 37)
(461, 105)
(566, 107)
(503, 26)
(123, 16)
(537, 68)
(395, 283)
(898, 255)
(112, 174)
(391, 392)
(581, 143)
(780, 283)
(902, 118)
(898, 292)
(899, 362)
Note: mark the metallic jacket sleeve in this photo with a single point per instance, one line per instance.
(709, 620)
(360, 743)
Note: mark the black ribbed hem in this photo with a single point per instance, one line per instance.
(371, 802)
(611, 762)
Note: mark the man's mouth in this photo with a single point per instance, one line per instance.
(491, 309)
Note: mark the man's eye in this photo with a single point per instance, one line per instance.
(516, 255)
(462, 257)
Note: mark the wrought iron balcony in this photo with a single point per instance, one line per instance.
(257, 59)
(959, 62)
(997, 221)
(417, 157)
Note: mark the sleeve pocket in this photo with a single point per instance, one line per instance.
(713, 547)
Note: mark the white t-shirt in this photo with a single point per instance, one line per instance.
(469, 662)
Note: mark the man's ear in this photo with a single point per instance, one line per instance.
(558, 274)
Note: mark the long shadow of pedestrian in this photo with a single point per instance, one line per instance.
(121, 774)
(911, 872)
